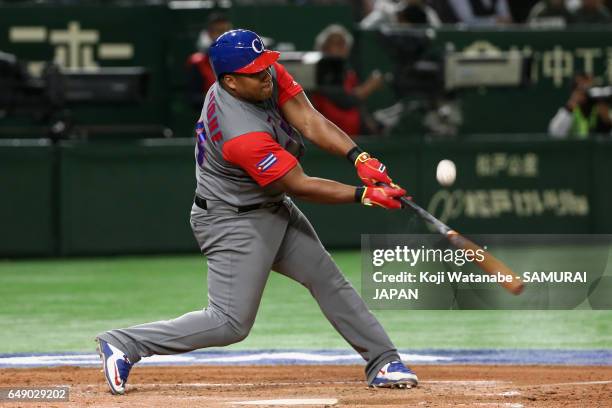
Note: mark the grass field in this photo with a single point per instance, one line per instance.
(60, 305)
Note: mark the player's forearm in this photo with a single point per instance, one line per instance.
(328, 136)
(324, 191)
(300, 113)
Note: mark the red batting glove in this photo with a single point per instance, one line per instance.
(371, 171)
(384, 197)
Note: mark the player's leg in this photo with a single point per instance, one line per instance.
(239, 261)
(303, 258)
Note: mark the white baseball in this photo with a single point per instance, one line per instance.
(446, 173)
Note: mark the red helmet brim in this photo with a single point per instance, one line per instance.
(260, 63)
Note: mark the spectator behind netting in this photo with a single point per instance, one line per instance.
(582, 115)
(339, 95)
(200, 73)
(592, 12)
(481, 12)
(549, 13)
(413, 12)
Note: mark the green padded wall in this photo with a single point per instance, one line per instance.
(126, 198)
(27, 200)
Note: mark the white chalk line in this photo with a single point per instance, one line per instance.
(292, 401)
(467, 382)
(494, 382)
(567, 383)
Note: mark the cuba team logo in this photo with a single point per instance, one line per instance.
(257, 46)
(267, 162)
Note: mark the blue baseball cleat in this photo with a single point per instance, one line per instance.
(115, 365)
(395, 375)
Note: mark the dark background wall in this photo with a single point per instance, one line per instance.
(115, 198)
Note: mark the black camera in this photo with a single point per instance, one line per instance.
(418, 68)
(20, 93)
(47, 98)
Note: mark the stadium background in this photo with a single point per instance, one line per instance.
(102, 221)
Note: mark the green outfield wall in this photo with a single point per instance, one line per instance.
(601, 169)
(28, 198)
(125, 198)
(78, 198)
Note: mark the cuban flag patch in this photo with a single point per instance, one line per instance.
(267, 162)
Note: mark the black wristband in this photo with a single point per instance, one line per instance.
(353, 154)
(359, 193)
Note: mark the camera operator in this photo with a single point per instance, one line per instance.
(587, 111)
(340, 95)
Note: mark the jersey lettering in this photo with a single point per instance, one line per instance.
(280, 122)
(201, 140)
(211, 118)
(271, 121)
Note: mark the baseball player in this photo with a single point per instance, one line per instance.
(249, 140)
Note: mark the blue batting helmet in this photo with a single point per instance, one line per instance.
(240, 51)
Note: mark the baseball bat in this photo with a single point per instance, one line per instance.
(489, 264)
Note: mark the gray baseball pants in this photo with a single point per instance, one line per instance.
(241, 249)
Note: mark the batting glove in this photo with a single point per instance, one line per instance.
(371, 171)
(385, 197)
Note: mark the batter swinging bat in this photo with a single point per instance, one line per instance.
(489, 264)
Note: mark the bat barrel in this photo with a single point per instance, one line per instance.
(489, 264)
